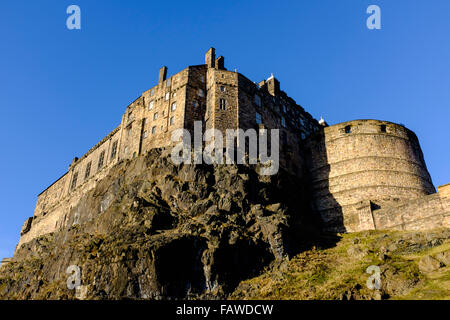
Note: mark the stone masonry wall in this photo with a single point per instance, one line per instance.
(364, 160)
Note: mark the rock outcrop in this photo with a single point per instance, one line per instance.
(155, 230)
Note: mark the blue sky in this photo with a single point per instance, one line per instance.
(63, 90)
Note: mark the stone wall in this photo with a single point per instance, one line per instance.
(364, 160)
(424, 213)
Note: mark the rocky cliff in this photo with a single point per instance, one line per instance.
(154, 230)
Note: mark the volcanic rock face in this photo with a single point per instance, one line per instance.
(154, 230)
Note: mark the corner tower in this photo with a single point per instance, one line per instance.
(364, 162)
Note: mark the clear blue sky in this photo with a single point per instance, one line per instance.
(62, 91)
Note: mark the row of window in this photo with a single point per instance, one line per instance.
(153, 131)
(348, 129)
(101, 160)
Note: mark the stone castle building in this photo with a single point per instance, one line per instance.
(364, 174)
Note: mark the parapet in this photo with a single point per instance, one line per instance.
(444, 190)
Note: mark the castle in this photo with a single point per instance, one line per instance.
(363, 174)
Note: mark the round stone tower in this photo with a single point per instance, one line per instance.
(355, 162)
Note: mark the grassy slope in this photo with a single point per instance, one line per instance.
(339, 272)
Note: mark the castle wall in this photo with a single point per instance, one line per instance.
(364, 160)
(133, 137)
(424, 213)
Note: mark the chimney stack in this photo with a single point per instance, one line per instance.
(162, 74)
(210, 58)
(220, 63)
(273, 86)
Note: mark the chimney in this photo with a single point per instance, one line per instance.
(273, 86)
(162, 74)
(210, 57)
(220, 63)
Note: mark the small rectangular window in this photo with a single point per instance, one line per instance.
(154, 130)
(283, 122)
(114, 150)
(168, 83)
(174, 106)
(145, 134)
(222, 88)
(201, 93)
(150, 105)
(101, 159)
(222, 104)
(155, 116)
(348, 129)
(74, 180)
(172, 120)
(88, 171)
(152, 92)
(258, 118)
(383, 128)
(167, 96)
(258, 100)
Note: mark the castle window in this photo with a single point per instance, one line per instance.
(152, 92)
(168, 83)
(74, 180)
(172, 120)
(125, 150)
(134, 154)
(283, 107)
(151, 104)
(100, 160)
(167, 96)
(223, 76)
(129, 131)
(144, 121)
(283, 122)
(201, 93)
(348, 129)
(154, 130)
(145, 134)
(303, 135)
(174, 94)
(114, 150)
(222, 104)
(88, 171)
(383, 128)
(174, 106)
(195, 104)
(302, 122)
(222, 88)
(155, 116)
(258, 100)
(202, 78)
(258, 118)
